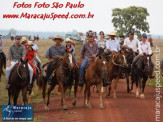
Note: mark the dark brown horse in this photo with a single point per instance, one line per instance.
(1, 68)
(62, 77)
(19, 78)
(115, 65)
(95, 73)
(141, 73)
(2, 63)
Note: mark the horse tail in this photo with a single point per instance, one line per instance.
(40, 82)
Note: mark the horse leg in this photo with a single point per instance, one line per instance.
(63, 97)
(49, 91)
(75, 92)
(99, 86)
(115, 86)
(24, 94)
(85, 95)
(137, 89)
(9, 96)
(127, 80)
(16, 96)
(143, 86)
(44, 95)
(88, 96)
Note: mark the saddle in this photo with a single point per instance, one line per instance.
(89, 62)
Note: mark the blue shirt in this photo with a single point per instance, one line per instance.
(52, 52)
(35, 47)
(113, 45)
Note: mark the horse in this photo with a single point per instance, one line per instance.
(12, 38)
(62, 77)
(2, 64)
(19, 78)
(129, 54)
(95, 73)
(115, 66)
(141, 73)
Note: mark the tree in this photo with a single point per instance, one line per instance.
(130, 19)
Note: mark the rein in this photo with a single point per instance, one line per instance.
(116, 63)
(18, 71)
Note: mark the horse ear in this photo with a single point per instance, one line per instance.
(27, 60)
(119, 51)
(151, 54)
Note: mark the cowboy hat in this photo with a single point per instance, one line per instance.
(58, 37)
(23, 39)
(30, 43)
(113, 33)
(68, 40)
(106, 37)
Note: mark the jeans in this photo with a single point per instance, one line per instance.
(82, 68)
(8, 70)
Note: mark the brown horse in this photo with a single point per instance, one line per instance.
(95, 73)
(19, 78)
(115, 66)
(62, 77)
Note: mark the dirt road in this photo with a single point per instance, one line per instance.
(126, 108)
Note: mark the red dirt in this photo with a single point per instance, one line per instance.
(126, 108)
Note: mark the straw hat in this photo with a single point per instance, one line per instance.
(107, 37)
(68, 40)
(23, 39)
(30, 43)
(113, 33)
(58, 37)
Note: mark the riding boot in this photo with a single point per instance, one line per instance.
(8, 86)
(105, 83)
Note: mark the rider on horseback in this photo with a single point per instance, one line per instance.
(2, 55)
(16, 52)
(112, 45)
(55, 51)
(131, 43)
(88, 51)
(144, 47)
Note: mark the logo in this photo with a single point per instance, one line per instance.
(17, 112)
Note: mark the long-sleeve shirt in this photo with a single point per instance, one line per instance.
(88, 51)
(144, 48)
(1, 45)
(113, 45)
(132, 44)
(16, 53)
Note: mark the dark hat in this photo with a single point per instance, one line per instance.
(131, 33)
(18, 37)
(122, 36)
(144, 35)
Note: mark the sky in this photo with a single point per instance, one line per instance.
(102, 10)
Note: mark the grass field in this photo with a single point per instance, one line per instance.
(43, 46)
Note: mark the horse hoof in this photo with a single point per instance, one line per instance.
(89, 106)
(115, 97)
(46, 108)
(74, 103)
(137, 95)
(142, 96)
(101, 106)
(64, 108)
(131, 91)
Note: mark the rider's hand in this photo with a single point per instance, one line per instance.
(94, 55)
(142, 54)
(8, 63)
(51, 59)
(113, 52)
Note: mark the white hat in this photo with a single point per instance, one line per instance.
(30, 43)
(23, 39)
(68, 40)
(113, 33)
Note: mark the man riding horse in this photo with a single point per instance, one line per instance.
(88, 51)
(144, 48)
(54, 52)
(16, 53)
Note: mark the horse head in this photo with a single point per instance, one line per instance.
(120, 59)
(129, 56)
(69, 57)
(102, 65)
(146, 64)
(22, 69)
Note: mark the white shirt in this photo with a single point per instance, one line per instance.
(144, 48)
(132, 44)
(35, 47)
(113, 45)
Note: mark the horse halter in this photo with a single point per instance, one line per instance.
(120, 60)
(18, 71)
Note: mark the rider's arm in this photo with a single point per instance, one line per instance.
(149, 49)
(23, 53)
